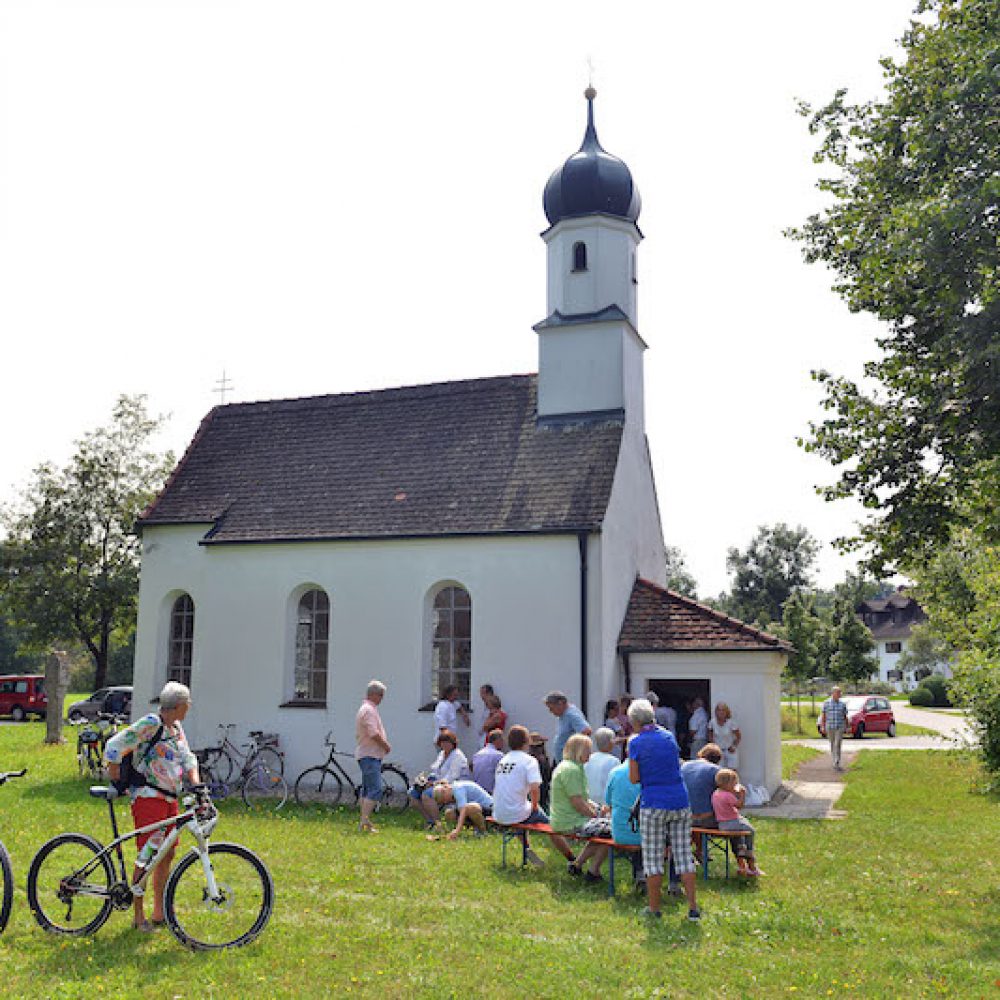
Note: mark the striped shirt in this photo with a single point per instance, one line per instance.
(835, 714)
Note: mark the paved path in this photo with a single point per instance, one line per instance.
(816, 788)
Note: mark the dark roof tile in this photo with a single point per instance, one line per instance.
(661, 620)
(451, 458)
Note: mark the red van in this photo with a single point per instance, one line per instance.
(22, 695)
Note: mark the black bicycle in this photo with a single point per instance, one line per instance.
(91, 741)
(329, 784)
(6, 873)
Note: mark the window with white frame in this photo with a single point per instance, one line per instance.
(312, 646)
(180, 648)
(893, 647)
(451, 641)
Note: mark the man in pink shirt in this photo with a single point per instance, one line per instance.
(371, 747)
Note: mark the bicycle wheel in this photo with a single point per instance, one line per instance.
(6, 887)
(239, 913)
(395, 789)
(318, 784)
(68, 885)
(264, 788)
(219, 763)
(270, 757)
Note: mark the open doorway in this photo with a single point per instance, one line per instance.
(678, 694)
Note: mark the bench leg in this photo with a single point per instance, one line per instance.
(524, 848)
(611, 872)
(504, 836)
(704, 855)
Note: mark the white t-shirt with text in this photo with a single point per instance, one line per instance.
(517, 771)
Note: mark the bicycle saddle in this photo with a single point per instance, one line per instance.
(108, 792)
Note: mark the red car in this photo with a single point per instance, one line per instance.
(22, 695)
(866, 714)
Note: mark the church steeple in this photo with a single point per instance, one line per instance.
(590, 351)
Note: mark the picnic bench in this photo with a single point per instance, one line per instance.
(711, 841)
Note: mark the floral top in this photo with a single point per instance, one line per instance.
(163, 765)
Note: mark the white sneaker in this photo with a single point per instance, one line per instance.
(533, 859)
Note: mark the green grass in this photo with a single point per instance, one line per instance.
(886, 903)
(792, 756)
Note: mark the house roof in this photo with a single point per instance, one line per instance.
(451, 458)
(659, 620)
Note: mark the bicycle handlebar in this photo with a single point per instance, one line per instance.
(4, 775)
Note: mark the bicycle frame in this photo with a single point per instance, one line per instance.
(187, 820)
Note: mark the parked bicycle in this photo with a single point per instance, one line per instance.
(260, 778)
(217, 896)
(6, 872)
(91, 740)
(328, 783)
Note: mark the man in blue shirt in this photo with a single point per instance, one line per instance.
(484, 762)
(466, 798)
(699, 779)
(571, 721)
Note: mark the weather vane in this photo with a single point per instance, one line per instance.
(223, 385)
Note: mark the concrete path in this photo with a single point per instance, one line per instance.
(811, 794)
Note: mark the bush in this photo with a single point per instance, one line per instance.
(938, 688)
(922, 697)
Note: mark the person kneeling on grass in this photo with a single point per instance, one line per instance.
(449, 765)
(572, 808)
(461, 801)
(727, 799)
(162, 757)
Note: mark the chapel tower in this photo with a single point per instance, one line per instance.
(589, 348)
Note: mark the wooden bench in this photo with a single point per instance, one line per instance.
(711, 840)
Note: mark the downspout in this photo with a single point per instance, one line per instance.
(582, 537)
(626, 669)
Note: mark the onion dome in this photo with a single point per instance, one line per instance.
(591, 181)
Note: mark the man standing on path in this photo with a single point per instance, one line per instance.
(571, 722)
(833, 723)
(371, 747)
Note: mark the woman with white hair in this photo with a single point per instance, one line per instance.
(664, 809)
(161, 762)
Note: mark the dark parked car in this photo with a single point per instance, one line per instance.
(22, 695)
(867, 714)
(109, 700)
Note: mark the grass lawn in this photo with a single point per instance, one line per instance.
(888, 902)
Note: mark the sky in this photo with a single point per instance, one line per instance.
(318, 197)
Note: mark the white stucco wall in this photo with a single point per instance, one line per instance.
(749, 682)
(631, 545)
(525, 632)
(610, 277)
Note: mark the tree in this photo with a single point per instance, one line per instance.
(71, 556)
(853, 658)
(911, 236)
(802, 628)
(777, 562)
(924, 651)
(960, 591)
(679, 578)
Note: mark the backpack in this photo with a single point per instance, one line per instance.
(129, 776)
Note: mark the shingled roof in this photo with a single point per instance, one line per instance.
(659, 620)
(451, 458)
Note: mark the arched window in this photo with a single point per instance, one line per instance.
(312, 646)
(181, 643)
(579, 256)
(451, 641)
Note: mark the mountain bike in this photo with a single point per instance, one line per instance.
(6, 873)
(217, 896)
(327, 783)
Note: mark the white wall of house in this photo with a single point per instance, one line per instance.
(525, 631)
(749, 682)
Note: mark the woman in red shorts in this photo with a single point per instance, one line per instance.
(162, 757)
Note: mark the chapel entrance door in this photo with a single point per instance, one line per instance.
(678, 694)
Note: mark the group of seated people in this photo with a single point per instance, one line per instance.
(591, 796)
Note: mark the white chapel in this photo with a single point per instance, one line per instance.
(501, 530)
